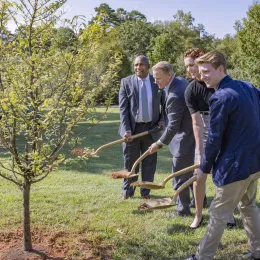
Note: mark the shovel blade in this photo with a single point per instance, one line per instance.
(123, 174)
(147, 185)
(158, 204)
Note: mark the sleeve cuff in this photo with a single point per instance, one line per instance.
(205, 168)
(159, 142)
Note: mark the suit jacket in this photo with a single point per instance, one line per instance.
(233, 145)
(129, 104)
(179, 132)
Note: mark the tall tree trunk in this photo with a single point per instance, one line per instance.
(27, 239)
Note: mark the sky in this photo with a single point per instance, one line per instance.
(218, 16)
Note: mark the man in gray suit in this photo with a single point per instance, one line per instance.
(178, 133)
(139, 103)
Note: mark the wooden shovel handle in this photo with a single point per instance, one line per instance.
(183, 171)
(139, 160)
(119, 141)
(167, 202)
(184, 186)
(140, 135)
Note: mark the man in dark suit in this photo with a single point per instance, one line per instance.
(233, 150)
(139, 103)
(178, 133)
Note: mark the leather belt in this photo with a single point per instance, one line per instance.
(204, 113)
(142, 123)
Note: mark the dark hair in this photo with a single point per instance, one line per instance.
(194, 53)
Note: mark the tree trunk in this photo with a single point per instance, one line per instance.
(27, 240)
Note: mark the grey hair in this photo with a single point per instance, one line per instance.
(165, 66)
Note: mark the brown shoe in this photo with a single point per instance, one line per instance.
(124, 197)
(146, 197)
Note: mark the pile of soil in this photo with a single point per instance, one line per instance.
(55, 245)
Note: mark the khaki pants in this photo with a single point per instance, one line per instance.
(241, 194)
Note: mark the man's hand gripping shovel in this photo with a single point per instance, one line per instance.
(125, 174)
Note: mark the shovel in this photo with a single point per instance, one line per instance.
(95, 153)
(156, 186)
(125, 173)
(83, 152)
(167, 202)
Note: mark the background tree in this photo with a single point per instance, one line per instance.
(64, 37)
(248, 41)
(132, 38)
(44, 91)
(126, 33)
(108, 17)
(228, 46)
(105, 16)
(103, 54)
(177, 36)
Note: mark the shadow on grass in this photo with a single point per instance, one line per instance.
(142, 251)
(148, 251)
(179, 228)
(158, 197)
(240, 248)
(223, 251)
(110, 159)
(141, 212)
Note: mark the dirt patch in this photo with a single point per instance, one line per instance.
(55, 245)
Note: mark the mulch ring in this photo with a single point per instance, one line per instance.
(55, 245)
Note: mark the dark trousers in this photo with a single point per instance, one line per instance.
(179, 163)
(132, 151)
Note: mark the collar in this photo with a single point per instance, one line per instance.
(224, 81)
(169, 84)
(147, 78)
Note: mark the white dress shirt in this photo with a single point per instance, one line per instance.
(139, 118)
(166, 89)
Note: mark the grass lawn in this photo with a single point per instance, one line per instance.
(84, 201)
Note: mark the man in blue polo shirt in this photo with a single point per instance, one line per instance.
(233, 151)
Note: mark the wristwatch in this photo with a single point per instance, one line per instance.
(159, 144)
